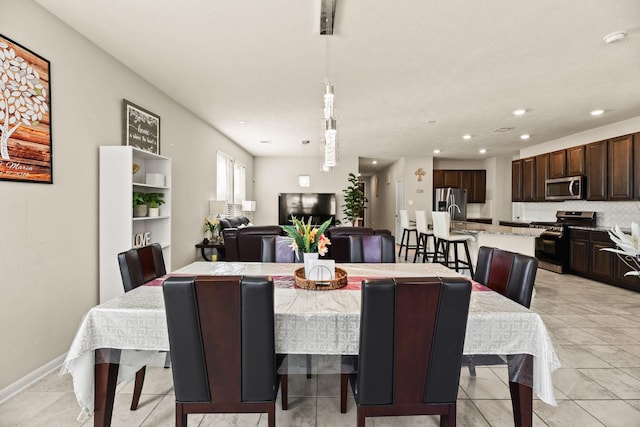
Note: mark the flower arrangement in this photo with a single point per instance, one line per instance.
(213, 225)
(306, 238)
(628, 247)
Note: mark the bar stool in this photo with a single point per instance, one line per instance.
(407, 229)
(441, 225)
(423, 237)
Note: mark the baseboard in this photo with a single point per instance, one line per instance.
(27, 380)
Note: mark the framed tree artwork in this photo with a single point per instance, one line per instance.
(25, 115)
(141, 128)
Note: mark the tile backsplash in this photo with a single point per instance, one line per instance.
(608, 214)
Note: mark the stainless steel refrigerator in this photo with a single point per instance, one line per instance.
(453, 200)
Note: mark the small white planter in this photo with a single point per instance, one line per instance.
(154, 211)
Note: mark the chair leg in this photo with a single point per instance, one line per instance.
(137, 388)
(167, 360)
(466, 249)
(271, 414)
(418, 248)
(404, 232)
(344, 383)
(456, 257)
(361, 416)
(309, 366)
(181, 417)
(284, 386)
(449, 419)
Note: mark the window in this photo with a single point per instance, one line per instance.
(231, 186)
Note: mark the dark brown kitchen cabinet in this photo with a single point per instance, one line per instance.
(588, 259)
(529, 179)
(620, 171)
(575, 161)
(579, 251)
(452, 178)
(601, 267)
(438, 178)
(558, 164)
(479, 187)
(596, 170)
(542, 174)
(516, 181)
(474, 181)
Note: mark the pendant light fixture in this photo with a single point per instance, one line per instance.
(329, 142)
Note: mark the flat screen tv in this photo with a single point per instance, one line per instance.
(320, 206)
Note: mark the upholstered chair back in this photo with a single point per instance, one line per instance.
(221, 335)
(509, 273)
(278, 249)
(374, 248)
(141, 265)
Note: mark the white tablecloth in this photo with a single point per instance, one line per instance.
(307, 322)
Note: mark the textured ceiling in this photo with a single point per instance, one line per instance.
(410, 75)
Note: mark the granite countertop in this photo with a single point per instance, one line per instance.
(475, 228)
(598, 228)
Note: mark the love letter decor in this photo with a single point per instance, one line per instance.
(25, 114)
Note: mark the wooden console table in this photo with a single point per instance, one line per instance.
(219, 247)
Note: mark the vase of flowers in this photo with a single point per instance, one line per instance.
(307, 239)
(213, 226)
(628, 248)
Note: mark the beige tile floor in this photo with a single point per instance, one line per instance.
(598, 340)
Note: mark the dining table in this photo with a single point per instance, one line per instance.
(118, 337)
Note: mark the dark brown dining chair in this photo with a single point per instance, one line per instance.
(137, 267)
(510, 274)
(411, 340)
(375, 248)
(221, 335)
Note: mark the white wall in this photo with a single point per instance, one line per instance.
(275, 175)
(49, 250)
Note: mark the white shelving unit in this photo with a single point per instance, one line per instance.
(118, 227)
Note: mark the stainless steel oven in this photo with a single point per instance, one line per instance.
(552, 246)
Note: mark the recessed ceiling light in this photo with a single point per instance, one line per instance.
(614, 37)
(482, 151)
(597, 112)
(265, 142)
(436, 151)
(242, 122)
(375, 162)
(467, 136)
(431, 122)
(519, 112)
(524, 136)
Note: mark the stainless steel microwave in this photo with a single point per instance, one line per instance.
(569, 188)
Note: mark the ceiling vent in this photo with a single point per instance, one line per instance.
(502, 130)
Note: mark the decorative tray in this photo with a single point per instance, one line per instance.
(321, 285)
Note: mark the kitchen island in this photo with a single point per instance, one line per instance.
(514, 239)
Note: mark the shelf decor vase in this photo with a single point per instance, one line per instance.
(139, 211)
(154, 211)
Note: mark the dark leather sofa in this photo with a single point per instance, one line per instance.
(245, 243)
(233, 222)
(339, 249)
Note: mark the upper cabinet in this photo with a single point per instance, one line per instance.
(596, 168)
(474, 181)
(558, 164)
(609, 168)
(575, 161)
(516, 181)
(620, 175)
(529, 179)
(542, 174)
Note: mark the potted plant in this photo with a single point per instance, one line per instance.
(154, 200)
(139, 205)
(353, 200)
